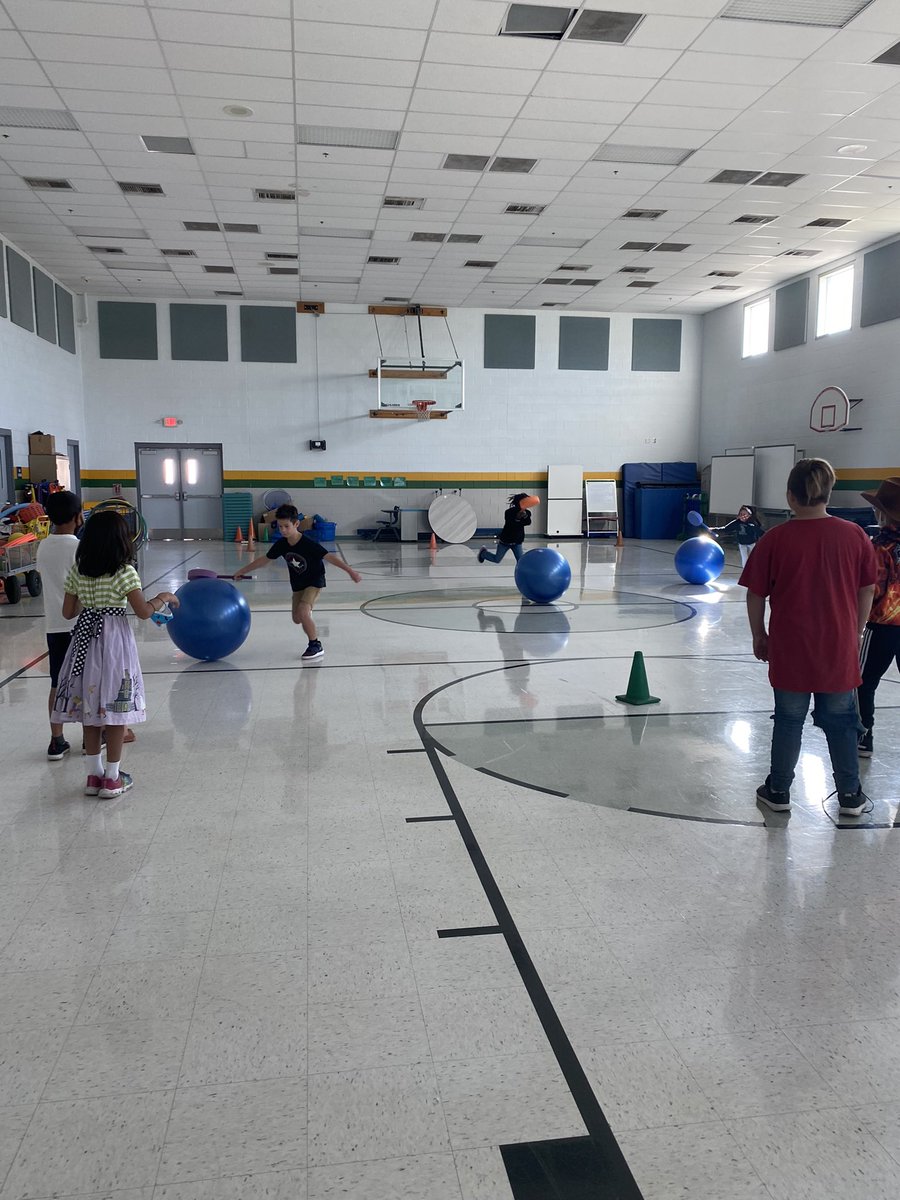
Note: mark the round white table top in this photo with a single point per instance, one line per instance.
(452, 518)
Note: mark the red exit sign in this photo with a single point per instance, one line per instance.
(170, 422)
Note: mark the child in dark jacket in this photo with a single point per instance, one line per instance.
(881, 640)
(747, 529)
(512, 535)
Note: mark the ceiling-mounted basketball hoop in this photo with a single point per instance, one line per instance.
(422, 407)
(830, 412)
(407, 374)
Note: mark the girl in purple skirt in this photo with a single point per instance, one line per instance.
(100, 681)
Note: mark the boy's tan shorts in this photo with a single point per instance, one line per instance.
(308, 596)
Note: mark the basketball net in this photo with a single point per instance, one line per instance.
(422, 407)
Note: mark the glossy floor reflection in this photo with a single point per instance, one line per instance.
(229, 983)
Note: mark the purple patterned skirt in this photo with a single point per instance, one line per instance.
(100, 682)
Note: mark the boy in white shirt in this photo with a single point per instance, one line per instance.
(55, 557)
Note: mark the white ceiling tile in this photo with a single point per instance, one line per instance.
(144, 103)
(731, 69)
(104, 20)
(667, 32)
(664, 116)
(535, 148)
(336, 69)
(233, 130)
(592, 135)
(28, 97)
(346, 95)
(881, 17)
(362, 41)
(116, 79)
(543, 108)
(115, 52)
(762, 38)
(757, 119)
(253, 32)
(228, 59)
(212, 109)
(704, 95)
(625, 61)
(425, 100)
(455, 123)
(392, 13)
(449, 143)
(443, 76)
(14, 71)
(566, 85)
(475, 50)
(234, 89)
(13, 45)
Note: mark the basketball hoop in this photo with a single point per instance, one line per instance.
(830, 410)
(422, 407)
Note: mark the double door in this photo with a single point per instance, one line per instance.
(180, 490)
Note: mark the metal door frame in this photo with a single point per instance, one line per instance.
(8, 463)
(178, 447)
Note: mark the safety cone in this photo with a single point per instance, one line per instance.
(433, 542)
(619, 539)
(638, 688)
(238, 536)
(251, 532)
(264, 532)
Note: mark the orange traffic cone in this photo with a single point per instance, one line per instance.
(251, 532)
(619, 540)
(433, 542)
(238, 536)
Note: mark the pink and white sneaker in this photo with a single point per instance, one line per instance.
(111, 788)
(93, 785)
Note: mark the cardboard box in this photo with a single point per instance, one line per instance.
(52, 467)
(41, 443)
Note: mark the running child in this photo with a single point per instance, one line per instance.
(55, 558)
(512, 535)
(881, 640)
(100, 681)
(747, 529)
(306, 567)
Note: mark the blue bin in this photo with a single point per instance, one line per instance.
(324, 532)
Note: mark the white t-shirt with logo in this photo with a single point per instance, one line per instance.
(55, 556)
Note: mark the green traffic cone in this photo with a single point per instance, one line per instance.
(264, 531)
(638, 688)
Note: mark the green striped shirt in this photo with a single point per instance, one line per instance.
(107, 591)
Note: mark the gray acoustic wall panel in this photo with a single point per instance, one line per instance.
(199, 332)
(881, 285)
(791, 308)
(268, 334)
(509, 343)
(65, 319)
(44, 306)
(3, 309)
(655, 345)
(127, 330)
(21, 305)
(584, 343)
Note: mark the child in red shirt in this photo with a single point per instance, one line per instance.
(818, 573)
(881, 641)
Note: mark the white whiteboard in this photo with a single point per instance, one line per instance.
(730, 482)
(600, 496)
(564, 482)
(772, 465)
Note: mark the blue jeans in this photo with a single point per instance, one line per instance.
(502, 548)
(836, 715)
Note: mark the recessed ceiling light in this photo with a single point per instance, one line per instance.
(218, 270)
(14, 117)
(468, 238)
(238, 110)
(853, 148)
(828, 223)
(167, 145)
(735, 177)
(40, 184)
(425, 236)
(776, 179)
(513, 166)
(832, 14)
(239, 227)
(465, 162)
(659, 156)
(644, 214)
(563, 243)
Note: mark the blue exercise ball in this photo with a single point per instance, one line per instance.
(543, 575)
(211, 621)
(699, 560)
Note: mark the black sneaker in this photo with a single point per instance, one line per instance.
(777, 801)
(313, 650)
(852, 804)
(481, 555)
(864, 745)
(58, 749)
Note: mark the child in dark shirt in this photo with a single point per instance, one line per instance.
(512, 535)
(747, 529)
(306, 566)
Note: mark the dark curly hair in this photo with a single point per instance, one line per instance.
(105, 545)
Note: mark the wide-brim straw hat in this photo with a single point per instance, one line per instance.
(887, 498)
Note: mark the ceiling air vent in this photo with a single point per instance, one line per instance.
(106, 249)
(287, 194)
(48, 185)
(218, 270)
(513, 166)
(167, 145)
(637, 246)
(284, 270)
(228, 293)
(726, 287)
(14, 117)
(891, 57)
(484, 264)
(594, 25)
(556, 279)
(672, 247)
(395, 300)
(280, 256)
(734, 177)
(525, 210)
(827, 223)
(402, 202)
(468, 239)
(641, 283)
(335, 232)
(634, 270)
(536, 21)
(239, 227)
(644, 214)
(466, 162)
(360, 139)
(752, 219)
(179, 253)
(201, 226)
(832, 14)
(384, 260)
(776, 179)
(554, 304)
(722, 274)
(657, 156)
(799, 253)
(427, 237)
(575, 267)
(141, 189)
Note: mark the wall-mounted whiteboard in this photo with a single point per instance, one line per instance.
(772, 465)
(730, 482)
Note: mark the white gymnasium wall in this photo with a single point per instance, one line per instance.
(40, 387)
(767, 399)
(514, 421)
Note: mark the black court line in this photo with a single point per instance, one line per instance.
(612, 716)
(415, 750)
(22, 670)
(422, 820)
(652, 812)
(470, 931)
(533, 787)
(610, 1157)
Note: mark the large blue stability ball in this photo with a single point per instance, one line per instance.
(699, 560)
(212, 620)
(543, 575)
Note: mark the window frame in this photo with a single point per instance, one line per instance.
(748, 307)
(822, 286)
